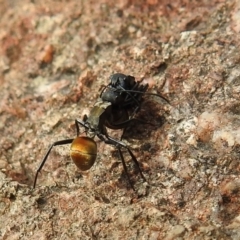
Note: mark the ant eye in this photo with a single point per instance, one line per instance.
(83, 152)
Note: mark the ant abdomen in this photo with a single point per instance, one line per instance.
(83, 152)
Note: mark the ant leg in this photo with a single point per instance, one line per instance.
(82, 123)
(103, 87)
(135, 119)
(135, 111)
(125, 167)
(58, 143)
(118, 145)
(85, 118)
(77, 127)
(137, 164)
(131, 154)
(131, 120)
(114, 142)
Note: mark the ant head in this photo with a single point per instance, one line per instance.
(116, 90)
(122, 81)
(83, 152)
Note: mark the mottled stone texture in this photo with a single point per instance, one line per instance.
(54, 58)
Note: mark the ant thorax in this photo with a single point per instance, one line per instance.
(97, 116)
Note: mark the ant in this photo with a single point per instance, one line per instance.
(129, 91)
(126, 94)
(121, 96)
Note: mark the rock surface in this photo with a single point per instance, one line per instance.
(54, 58)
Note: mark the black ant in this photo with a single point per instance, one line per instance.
(126, 96)
(123, 91)
(111, 110)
